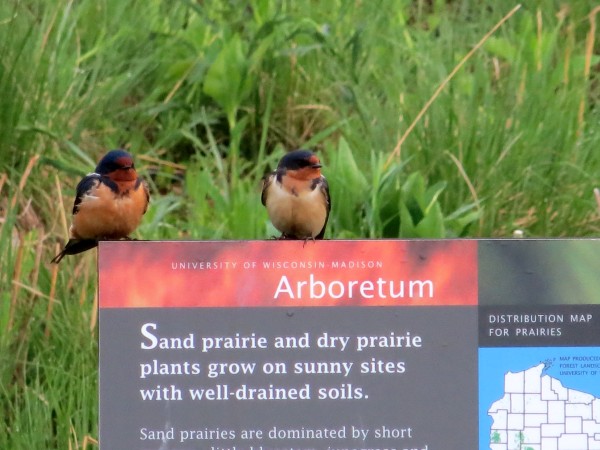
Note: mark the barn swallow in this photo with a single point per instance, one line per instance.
(297, 196)
(109, 204)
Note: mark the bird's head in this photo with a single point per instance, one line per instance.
(117, 165)
(302, 164)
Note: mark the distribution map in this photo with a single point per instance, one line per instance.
(538, 413)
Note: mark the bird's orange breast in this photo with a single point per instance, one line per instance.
(295, 208)
(103, 213)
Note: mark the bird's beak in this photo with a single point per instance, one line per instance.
(316, 166)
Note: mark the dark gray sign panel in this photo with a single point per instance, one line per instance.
(407, 345)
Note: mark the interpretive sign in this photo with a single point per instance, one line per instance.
(419, 345)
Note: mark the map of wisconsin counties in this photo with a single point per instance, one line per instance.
(538, 413)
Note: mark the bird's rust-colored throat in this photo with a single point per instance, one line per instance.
(305, 174)
(125, 174)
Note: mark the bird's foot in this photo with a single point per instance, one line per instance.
(309, 239)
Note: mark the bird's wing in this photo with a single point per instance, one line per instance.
(266, 183)
(146, 191)
(323, 186)
(87, 183)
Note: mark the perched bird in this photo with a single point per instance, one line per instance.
(109, 204)
(297, 196)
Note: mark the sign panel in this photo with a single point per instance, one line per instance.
(343, 344)
(539, 338)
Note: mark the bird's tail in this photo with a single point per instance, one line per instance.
(75, 246)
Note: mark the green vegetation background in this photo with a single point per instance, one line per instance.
(209, 95)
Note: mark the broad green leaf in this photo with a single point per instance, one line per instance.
(407, 227)
(432, 225)
(502, 48)
(225, 78)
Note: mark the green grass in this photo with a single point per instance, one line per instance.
(209, 95)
